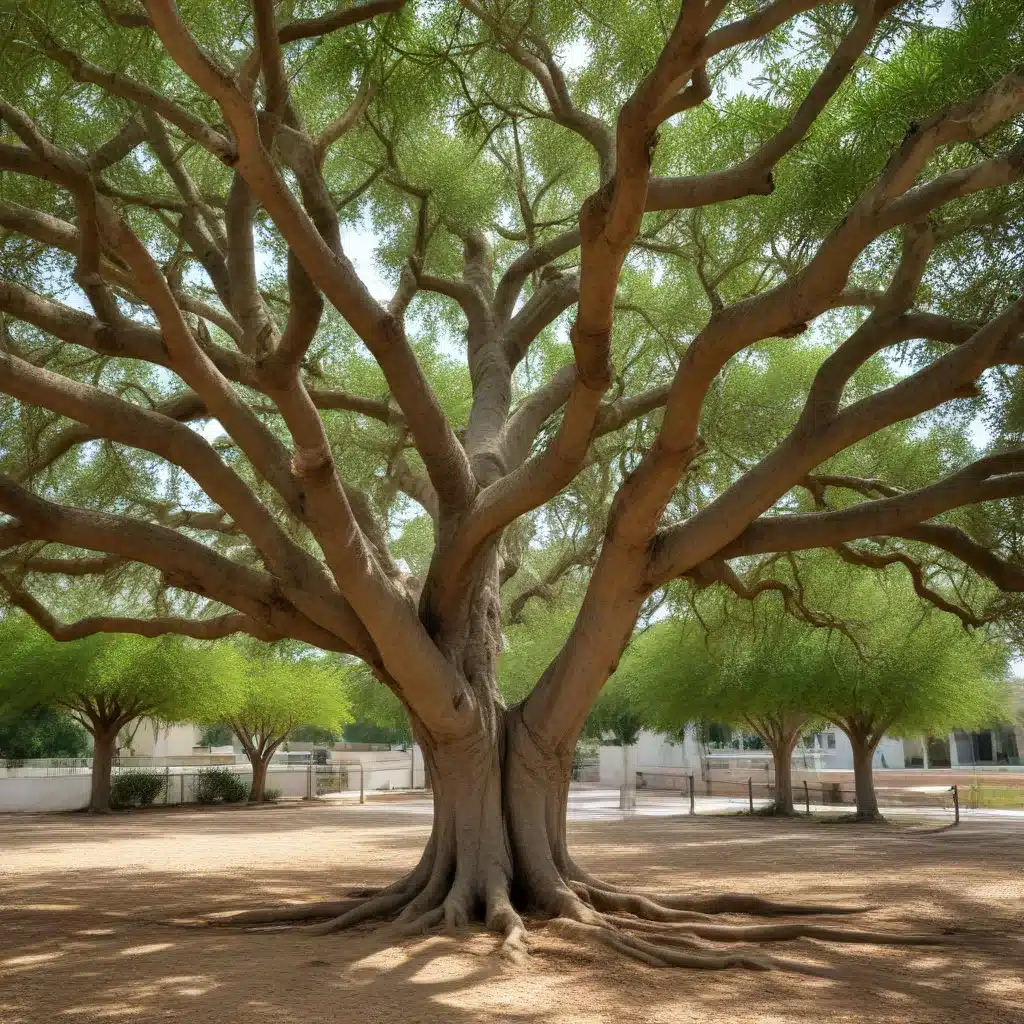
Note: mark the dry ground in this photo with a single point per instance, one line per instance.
(83, 903)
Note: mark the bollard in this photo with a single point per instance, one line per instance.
(693, 809)
(750, 794)
(807, 798)
(956, 805)
(362, 790)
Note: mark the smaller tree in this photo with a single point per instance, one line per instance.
(271, 694)
(747, 674)
(917, 671)
(105, 682)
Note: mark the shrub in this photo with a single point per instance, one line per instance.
(222, 785)
(271, 796)
(136, 789)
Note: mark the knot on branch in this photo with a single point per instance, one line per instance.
(650, 145)
(594, 211)
(591, 350)
(313, 463)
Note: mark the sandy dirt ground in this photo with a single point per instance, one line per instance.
(84, 904)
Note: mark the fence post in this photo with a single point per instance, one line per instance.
(807, 798)
(750, 793)
(693, 809)
(167, 785)
(956, 805)
(309, 779)
(182, 777)
(362, 790)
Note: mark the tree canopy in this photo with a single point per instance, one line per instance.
(41, 732)
(106, 680)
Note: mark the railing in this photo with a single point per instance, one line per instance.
(757, 792)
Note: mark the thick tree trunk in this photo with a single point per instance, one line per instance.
(864, 778)
(782, 758)
(259, 780)
(102, 762)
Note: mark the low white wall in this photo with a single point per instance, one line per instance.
(42, 793)
(45, 793)
(382, 769)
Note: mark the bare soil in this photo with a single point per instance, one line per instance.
(85, 903)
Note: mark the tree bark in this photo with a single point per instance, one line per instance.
(863, 776)
(782, 757)
(259, 778)
(102, 762)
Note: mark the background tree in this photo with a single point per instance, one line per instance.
(41, 732)
(598, 241)
(268, 696)
(751, 673)
(105, 682)
(913, 673)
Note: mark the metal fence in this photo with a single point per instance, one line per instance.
(823, 797)
(355, 780)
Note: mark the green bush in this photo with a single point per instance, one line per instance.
(222, 785)
(136, 789)
(271, 796)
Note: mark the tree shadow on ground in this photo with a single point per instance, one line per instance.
(93, 944)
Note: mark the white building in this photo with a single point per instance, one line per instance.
(663, 763)
(155, 739)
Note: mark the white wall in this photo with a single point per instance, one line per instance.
(155, 740)
(653, 751)
(45, 793)
(382, 769)
(888, 753)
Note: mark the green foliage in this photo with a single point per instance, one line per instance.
(314, 734)
(215, 736)
(370, 732)
(136, 789)
(168, 678)
(440, 125)
(877, 657)
(270, 691)
(531, 645)
(42, 732)
(918, 671)
(373, 707)
(614, 718)
(219, 785)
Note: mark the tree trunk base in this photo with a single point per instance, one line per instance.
(497, 851)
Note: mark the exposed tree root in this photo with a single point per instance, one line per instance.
(294, 914)
(666, 931)
(780, 933)
(654, 954)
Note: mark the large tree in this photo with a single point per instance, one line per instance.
(106, 682)
(213, 407)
